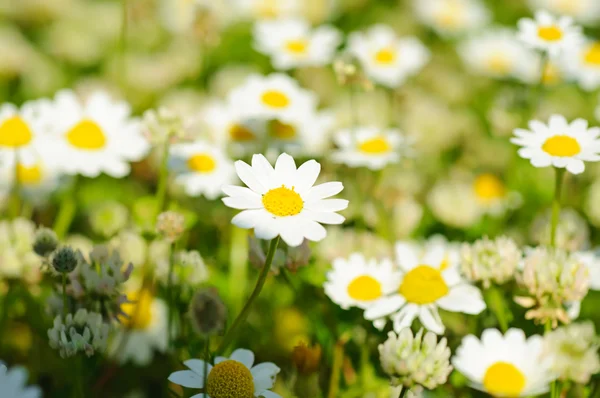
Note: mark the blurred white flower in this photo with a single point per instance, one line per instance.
(548, 33)
(16, 250)
(84, 332)
(268, 9)
(572, 230)
(586, 12)
(12, 383)
(490, 261)
(582, 63)
(452, 17)
(388, 59)
(37, 180)
(292, 43)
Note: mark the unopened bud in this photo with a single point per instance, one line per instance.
(65, 260)
(207, 312)
(45, 242)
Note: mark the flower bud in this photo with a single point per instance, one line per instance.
(207, 312)
(45, 242)
(65, 260)
(306, 359)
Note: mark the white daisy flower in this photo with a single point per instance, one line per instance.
(96, 135)
(201, 168)
(37, 180)
(586, 12)
(591, 260)
(430, 280)
(369, 147)
(292, 43)
(582, 64)
(276, 96)
(559, 143)
(23, 131)
(309, 136)
(492, 196)
(145, 328)
(269, 9)
(12, 383)
(283, 201)
(548, 33)
(358, 282)
(499, 54)
(505, 366)
(388, 59)
(452, 17)
(236, 376)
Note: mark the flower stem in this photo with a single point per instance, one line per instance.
(336, 371)
(257, 289)
(206, 359)
(556, 205)
(238, 267)
(170, 295)
(66, 213)
(161, 192)
(64, 294)
(403, 392)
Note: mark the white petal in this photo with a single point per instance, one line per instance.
(327, 205)
(323, 191)
(235, 191)
(264, 375)
(405, 317)
(431, 320)
(292, 235)
(187, 378)
(238, 202)
(247, 219)
(244, 356)
(384, 306)
(463, 298)
(306, 175)
(268, 394)
(197, 366)
(285, 165)
(246, 174)
(313, 231)
(575, 166)
(324, 217)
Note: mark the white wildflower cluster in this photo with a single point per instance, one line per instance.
(84, 332)
(415, 360)
(17, 258)
(490, 261)
(170, 225)
(162, 124)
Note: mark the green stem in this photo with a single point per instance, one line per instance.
(206, 359)
(161, 192)
(336, 371)
(257, 289)
(403, 392)
(170, 295)
(556, 205)
(66, 213)
(497, 304)
(80, 375)
(64, 294)
(238, 268)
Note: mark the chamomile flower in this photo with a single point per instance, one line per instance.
(201, 168)
(145, 323)
(583, 64)
(430, 280)
(549, 33)
(309, 135)
(505, 366)
(269, 9)
(586, 12)
(452, 17)
(37, 180)
(388, 59)
(559, 143)
(369, 147)
(358, 282)
(283, 201)
(236, 376)
(292, 43)
(12, 383)
(492, 195)
(499, 54)
(272, 97)
(96, 135)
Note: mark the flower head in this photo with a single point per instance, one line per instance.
(45, 242)
(170, 225)
(586, 12)
(412, 360)
(582, 64)
(572, 230)
(65, 260)
(549, 33)
(452, 17)
(489, 260)
(85, 332)
(207, 312)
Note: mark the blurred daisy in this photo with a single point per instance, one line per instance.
(12, 383)
(452, 17)
(548, 33)
(272, 97)
(504, 366)
(96, 135)
(292, 43)
(358, 282)
(283, 201)
(369, 147)
(309, 136)
(37, 180)
(201, 168)
(388, 59)
(559, 143)
(492, 195)
(591, 259)
(583, 64)
(236, 376)
(586, 12)
(145, 321)
(499, 54)
(22, 131)
(269, 9)
(430, 281)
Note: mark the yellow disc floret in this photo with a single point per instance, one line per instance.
(230, 379)
(283, 202)
(423, 285)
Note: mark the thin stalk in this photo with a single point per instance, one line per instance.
(67, 210)
(336, 371)
(403, 392)
(257, 289)
(238, 266)
(64, 294)
(170, 294)
(556, 205)
(161, 192)
(206, 359)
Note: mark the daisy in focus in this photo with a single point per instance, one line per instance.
(500, 55)
(236, 376)
(201, 168)
(145, 322)
(504, 366)
(430, 280)
(548, 33)
(369, 147)
(559, 143)
(12, 383)
(586, 12)
(95, 136)
(452, 17)
(283, 201)
(583, 64)
(358, 282)
(292, 43)
(388, 59)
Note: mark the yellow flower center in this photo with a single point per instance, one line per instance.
(29, 175)
(298, 46)
(375, 146)
(423, 285)
(561, 145)
(230, 379)
(87, 135)
(386, 56)
(15, 133)
(550, 33)
(592, 55)
(283, 202)
(240, 133)
(283, 131)
(488, 188)
(499, 63)
(139, 310)
(202, 163)
(504, 379)
(364, 288)
(275, 99)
